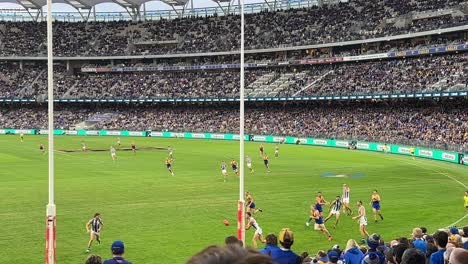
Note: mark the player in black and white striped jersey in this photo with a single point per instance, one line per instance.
(94, 227)
(335, 210)
(346, 196)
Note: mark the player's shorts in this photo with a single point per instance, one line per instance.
(234, 168)
(133, 147)
(276, 151)
(346, 200)
(363, 221)
(249, 165)
(319, 221)
(83, 148)
(223, 171)
(113, 154)
(258, 231)
(376, 206)
(265, 162)
(335, 212)
(412, 153)
(170, 153)
(168, 166)
(319, 227)
(252, 205)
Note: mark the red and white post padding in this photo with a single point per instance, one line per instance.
(240, 221)
(50, 240)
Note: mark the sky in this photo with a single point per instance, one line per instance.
(110, 7)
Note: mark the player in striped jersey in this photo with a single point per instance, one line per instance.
(224, 170)
(113, 153)
(94, 227)
(251, 222)
(346, 208)
(335, 210)
(248, 160)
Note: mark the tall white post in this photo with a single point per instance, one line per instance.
(50, 212)
(241, 205)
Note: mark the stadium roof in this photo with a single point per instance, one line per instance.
(87, 4)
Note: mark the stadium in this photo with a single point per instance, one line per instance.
(292, 131)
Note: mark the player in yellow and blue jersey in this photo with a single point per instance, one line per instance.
(169, 165)
(234, 167)
(266, 161)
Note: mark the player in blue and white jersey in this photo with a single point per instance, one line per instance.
(251, 222)
(94, 228)
(346, 198)
(335, 210)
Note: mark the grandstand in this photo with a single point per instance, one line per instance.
(351, 74)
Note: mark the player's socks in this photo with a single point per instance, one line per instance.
(330, 238)
(260, 210)
(88, 250)
(381, 217)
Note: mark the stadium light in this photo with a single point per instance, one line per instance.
(50, 211)
(241, 207)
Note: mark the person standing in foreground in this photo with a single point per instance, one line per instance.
(94, 227)
(117, 250)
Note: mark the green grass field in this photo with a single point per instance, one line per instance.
(165, 219)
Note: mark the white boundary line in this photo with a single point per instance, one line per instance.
(440, 173)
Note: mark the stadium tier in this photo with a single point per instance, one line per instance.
(385, 76)
(428, 74)
(413, 122)
(354, 20)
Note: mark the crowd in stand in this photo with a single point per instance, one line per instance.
(354, 20)
(410, 75)
(416, 122)
(445, 246)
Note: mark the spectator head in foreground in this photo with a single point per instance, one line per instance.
(286, 238)
(271, 244)
(94, 259)
(333, 256)
(458, 256)
(371, 258)
(233, 240)
(398, 251)
(117, 249)
(413, 256)
(373, 241)
(441, 239)
(230, 254)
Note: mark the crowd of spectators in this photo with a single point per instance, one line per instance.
(445, 246)
(409, 75)
(442, 124)
(353, 20)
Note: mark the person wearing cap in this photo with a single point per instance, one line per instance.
(372, 258)
(117, 249)
(373, 242)
(333, 256)
(418, 241)
(285, 255)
